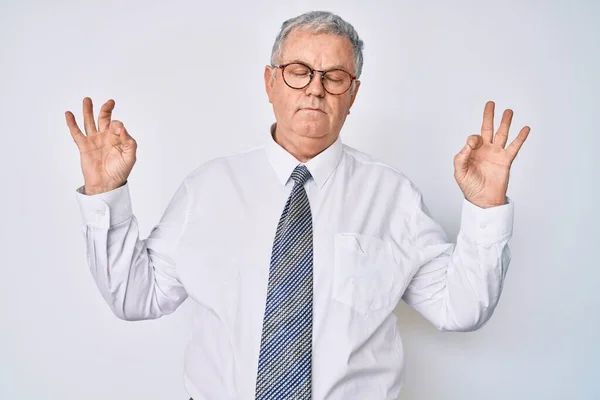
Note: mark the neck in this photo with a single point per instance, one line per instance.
(304, 148)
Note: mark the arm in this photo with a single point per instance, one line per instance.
(457, 286)
(137, 278)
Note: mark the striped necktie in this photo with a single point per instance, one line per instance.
(284, 365)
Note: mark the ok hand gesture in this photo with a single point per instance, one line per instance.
(482, 167)
(107, 152)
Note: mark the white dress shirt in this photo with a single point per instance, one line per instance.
(374, 244)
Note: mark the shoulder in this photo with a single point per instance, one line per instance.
(226, 163)
(367, 166)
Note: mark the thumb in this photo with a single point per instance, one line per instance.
(122, 134)
(128, 144)
(461, 160)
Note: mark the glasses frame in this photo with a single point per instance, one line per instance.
(312, 75)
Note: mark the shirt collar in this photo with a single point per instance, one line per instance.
(320, 167)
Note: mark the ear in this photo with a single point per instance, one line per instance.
(269, 80)
(354, 93)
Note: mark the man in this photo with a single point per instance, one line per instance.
(298, 251)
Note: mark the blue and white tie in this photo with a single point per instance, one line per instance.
(284, 365)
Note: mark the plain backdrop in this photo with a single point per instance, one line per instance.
(187, 77)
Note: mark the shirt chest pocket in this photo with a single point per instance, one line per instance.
(365, 272)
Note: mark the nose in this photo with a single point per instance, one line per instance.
(315, 87)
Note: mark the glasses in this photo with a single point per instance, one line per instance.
(298, 76)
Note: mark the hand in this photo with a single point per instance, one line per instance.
(482, 167)
(107, 153)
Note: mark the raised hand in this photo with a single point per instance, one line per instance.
(482, 167)
(107, 152)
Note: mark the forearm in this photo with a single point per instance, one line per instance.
(459, 292)
(457, 286)
(136, 279)
(121, 268)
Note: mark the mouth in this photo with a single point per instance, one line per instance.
(311, 109)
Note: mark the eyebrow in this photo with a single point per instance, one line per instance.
(338, 66)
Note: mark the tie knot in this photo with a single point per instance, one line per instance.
(300, 174)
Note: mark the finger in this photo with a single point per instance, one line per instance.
(76, 133)
(129, 143)
(515, 146)
(461, 161)
(116, 127)
(105, 114)
(88, 117)
(502, 134)
(475, 141)
(487, 127)
(126, 144)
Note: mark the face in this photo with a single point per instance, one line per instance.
(302, 131)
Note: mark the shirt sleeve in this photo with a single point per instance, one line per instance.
(457, 286)
(137, 278)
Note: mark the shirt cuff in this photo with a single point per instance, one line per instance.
(107, 209)
(487, 225)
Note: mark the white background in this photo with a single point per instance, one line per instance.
(187, 77)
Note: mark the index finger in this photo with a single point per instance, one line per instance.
(487, 127)
(105, 114)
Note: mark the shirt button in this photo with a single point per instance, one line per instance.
(483, 226)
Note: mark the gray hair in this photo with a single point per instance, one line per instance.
(320, 22)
